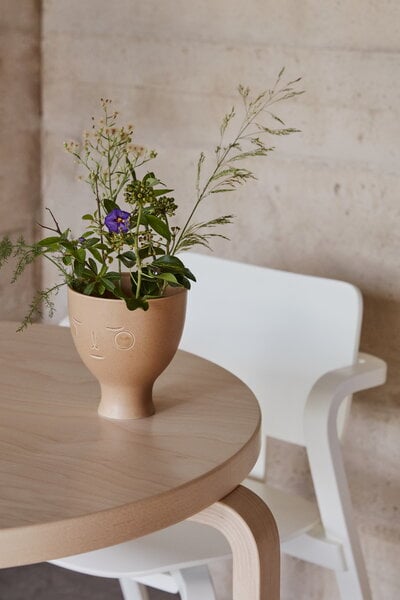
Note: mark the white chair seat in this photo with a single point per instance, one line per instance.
(294, 515)
(186, 544)
(189, 544)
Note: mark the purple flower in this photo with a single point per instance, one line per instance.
(117, 221)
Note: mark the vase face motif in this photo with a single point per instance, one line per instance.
(126, 350)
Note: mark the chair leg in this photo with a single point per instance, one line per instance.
(132, 590)
(248, 524)
(194, 583)
(332, 490)
(353, 584)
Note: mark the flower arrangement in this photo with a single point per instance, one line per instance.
(132, 227)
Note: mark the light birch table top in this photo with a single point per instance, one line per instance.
(71, 481)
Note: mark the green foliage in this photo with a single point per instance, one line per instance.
(6, 249)
(130, 224)
(42, 298)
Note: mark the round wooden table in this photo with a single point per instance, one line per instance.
(71, 481)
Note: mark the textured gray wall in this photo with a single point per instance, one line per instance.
(325, 204)
(19, 139)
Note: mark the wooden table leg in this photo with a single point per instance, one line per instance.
(247, 523)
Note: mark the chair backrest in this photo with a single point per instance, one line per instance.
(277, 331)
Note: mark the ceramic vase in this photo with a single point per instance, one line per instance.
(126, 350)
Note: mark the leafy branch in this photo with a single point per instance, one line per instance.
(247, 142)
(42, 298)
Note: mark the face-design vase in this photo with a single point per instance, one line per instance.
(126, 350)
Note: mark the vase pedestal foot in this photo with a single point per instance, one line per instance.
(126, 403)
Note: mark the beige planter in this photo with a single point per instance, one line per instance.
(126, 350)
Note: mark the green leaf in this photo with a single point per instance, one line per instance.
(96, 254)
(154, 289)
(127, 258)
(93, 265)
(109, 285)
(78, 268)
(187, 273)
(67, 244)
(129, 264)
(184, 281)
(87, 217)
(92, 241)
(167, 277)
(168, 260)
(87, 290)
(147, 251)
(67, 259)
(110, 205)
(162, 192)
(101, 289)
(49, 241)
(159, 226)
(87, 274)
(103, 271)
(151, 179)
(114, 275)
(81, 254)
(134, 303)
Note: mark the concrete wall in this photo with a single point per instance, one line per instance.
(19, 140)
(326, 203)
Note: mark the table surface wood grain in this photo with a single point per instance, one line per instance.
(71, 481)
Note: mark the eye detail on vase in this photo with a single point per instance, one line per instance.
(124, 339)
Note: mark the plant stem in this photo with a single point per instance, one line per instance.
(56, 264)
(137, 253)
(99, 216)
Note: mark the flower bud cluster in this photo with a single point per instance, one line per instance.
(164, 206)
(139, 192)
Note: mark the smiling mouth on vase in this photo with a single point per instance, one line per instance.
(98, 356)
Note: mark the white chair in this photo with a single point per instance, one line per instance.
(294, 340)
